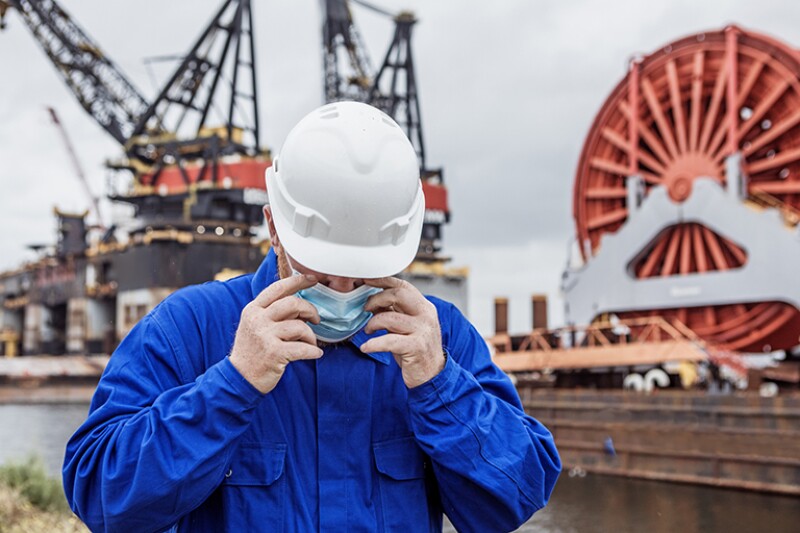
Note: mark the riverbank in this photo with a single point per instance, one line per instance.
(32, 370)
(18, 515)
(33, 502)
(44, 379)
(47, 394)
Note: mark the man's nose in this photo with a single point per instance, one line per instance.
(341, 284)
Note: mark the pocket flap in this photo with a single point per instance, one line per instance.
(399, 458)
(257, 464)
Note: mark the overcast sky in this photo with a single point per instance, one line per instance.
(508, 90)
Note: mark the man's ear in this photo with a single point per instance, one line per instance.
(273, 235)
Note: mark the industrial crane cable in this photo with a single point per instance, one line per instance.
(375, 8)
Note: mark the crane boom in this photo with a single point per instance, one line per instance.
(194, 151)
(176, 125)
(215, 83)
(340, 32)
(394, 88)
(98, 84)
(77, 164)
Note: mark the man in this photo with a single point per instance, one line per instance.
(319, 394)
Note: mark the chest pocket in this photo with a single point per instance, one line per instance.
(254, 489)
(401, 481)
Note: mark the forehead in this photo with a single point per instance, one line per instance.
(300, 267)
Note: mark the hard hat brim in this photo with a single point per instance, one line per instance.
(349, 260)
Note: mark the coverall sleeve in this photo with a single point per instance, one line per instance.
(158, 439)
(495, 465)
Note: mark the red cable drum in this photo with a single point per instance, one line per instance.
(677, 115)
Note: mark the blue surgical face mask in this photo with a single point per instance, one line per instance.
(341, 314)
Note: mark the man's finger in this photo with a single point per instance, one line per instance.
(300, 350)
(295, 330)
(384, 283)
(391, 322)
(391, 342)
(283, 288)
(292, 307)
(397, 299)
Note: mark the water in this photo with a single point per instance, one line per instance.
(579, 505)
(39, 429)
(620, 505)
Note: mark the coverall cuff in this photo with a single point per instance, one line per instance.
(244, 389)
(438, 385)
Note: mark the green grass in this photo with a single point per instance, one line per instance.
(30, 480)
(32, 502)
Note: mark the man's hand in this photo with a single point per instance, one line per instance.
(413, 333)
(273, 332)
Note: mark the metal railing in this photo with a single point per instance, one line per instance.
(605, 333)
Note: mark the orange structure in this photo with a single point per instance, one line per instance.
(244, 174)
(679, 115)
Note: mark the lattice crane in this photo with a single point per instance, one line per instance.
(97, 83)
(393, 89)
(181, 141)
(339, 34)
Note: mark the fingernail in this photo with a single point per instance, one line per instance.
(310, 277)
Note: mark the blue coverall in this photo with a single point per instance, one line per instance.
(177, 438)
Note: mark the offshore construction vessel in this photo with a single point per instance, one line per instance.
(195, 168)
(686, 204)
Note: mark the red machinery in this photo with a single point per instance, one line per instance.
(707, 106)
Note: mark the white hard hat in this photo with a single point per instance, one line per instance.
(345, 193)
